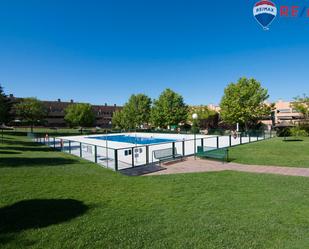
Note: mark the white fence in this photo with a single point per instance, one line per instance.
(141, 155)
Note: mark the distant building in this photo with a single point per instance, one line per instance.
(283, 113)
(56, 112)
(213, 107)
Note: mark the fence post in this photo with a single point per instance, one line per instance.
(132, 157)
(173, 145)
(202, 142)
(240, 138)
(249, 138)
(95, 154)
(80, 150)
(116, 159)
(217, 142)
(183, 148)
(147, 154)
(54, 143)
(230, 140)
(70, 146)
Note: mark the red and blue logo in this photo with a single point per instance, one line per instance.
(265, 12)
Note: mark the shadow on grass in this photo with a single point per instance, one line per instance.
(292, 140)
(19, 142)
(35, 162)
(9, 152)
(38, 213)
(15, 133)
(30, 148)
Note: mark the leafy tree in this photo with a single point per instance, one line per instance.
(5, 107)
(203, 113)
(169, 109)
(301, 104)
(118, 120)
(30, 110)
(79, 115)
(135, 112)
(244, 102)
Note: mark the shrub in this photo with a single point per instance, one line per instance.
(298, 132)
(304, 126)
(284, 132)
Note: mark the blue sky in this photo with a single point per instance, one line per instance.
(103, 51)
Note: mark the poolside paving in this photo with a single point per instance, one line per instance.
(191, 165)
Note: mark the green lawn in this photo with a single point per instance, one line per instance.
(53, 200)
(273, 152)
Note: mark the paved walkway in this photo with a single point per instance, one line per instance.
(189, 165)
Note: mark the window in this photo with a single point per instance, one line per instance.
(127, 152)
(284, 110)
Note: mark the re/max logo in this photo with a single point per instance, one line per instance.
(264, 9)
(294, 11)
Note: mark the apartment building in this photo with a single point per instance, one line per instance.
(56, 112)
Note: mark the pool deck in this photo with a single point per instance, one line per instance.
(90, 139)
(190, 165)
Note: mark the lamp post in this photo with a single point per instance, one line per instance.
(194, 117)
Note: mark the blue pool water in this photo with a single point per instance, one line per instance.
(133, 139)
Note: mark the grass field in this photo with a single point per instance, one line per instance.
(273, 152)
(53, 200)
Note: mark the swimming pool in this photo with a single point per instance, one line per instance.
(133, 139)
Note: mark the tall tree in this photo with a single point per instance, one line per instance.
(203, 113)
(135, 112)
(169, 109)
(301, 104)
(244, 102)
(79, 115)
(5, 107)
(118, 120)
(30, 110)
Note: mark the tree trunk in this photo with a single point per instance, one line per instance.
(246, 126)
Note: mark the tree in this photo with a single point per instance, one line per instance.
(202, 111)
(205, 117)
(301, 104)
(5, 107)
(118, 120)
(79, 115)
(169, 109)
(244, 103)
(135, 113)
(30, 110)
